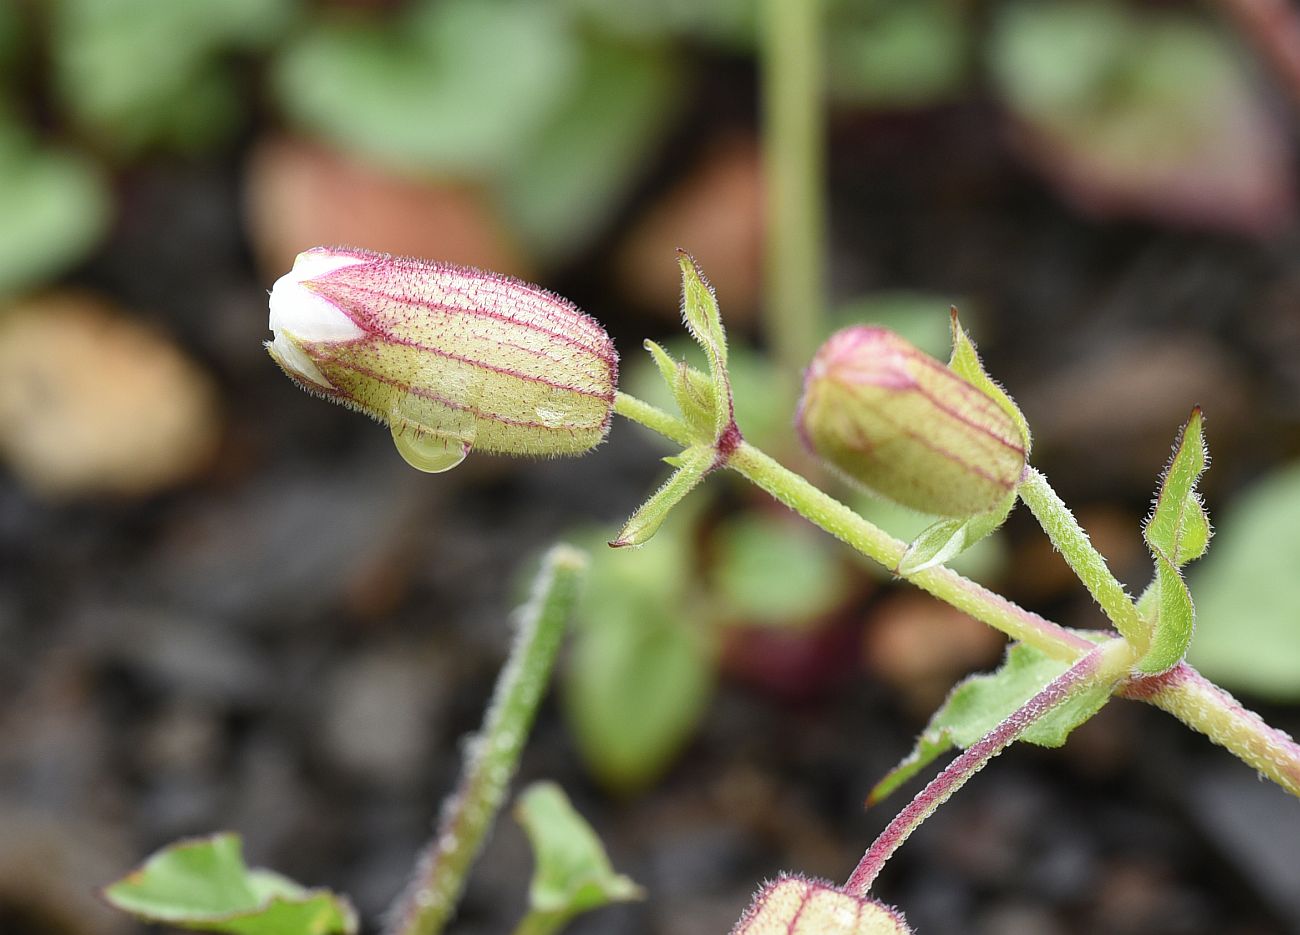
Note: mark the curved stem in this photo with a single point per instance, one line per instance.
(844, 524)
(1106, 662)
(1085, 561)
(429, 900)
(1205, 707)
(653, 418)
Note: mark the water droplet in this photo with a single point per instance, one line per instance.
(427, 452)
(551, 418)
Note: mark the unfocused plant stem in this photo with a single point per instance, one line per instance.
(1274, 27)
(1086, 562)
(493, 754)
(793, 164)
(1104, 663)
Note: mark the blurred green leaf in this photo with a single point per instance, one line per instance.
(55, 209)
(922, 319)
(566, 181)
(641, 668)
(1248, 591)
(573, 873)
(11, 35)
(898, 53)
(457, 86)
(150, 72)
(772, 571)
(1146, 112)
(981, 702)
(731, 23)
(203, 884)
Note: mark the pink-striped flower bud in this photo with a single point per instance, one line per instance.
(906, 427)
(450, 358)
(794, 905)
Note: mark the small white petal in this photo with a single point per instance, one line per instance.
(305, 314)
(290, 355)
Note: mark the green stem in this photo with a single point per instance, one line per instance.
(1086, 562)
(1104, 664)
(430, 899)
(844, 524)
(1182, 691)
(1204, 706)
(793, 159)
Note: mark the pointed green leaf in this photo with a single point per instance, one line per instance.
(1175, 618)
(981, 702)
(1178, 525)
(573, 873)
(203, 884)
(694, 463)
(965, 362)
(946, 539)
(704, 321)
(692, 390)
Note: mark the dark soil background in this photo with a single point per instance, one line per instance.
(294, 643)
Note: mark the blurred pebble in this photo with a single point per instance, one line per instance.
(50, 867)
(379, 712)
(716, 214)
(287, 546)
(302, 194)
(921, 647)
(1017, 919)
(1257, 826)
(93, 403)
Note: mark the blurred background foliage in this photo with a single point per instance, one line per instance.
(1106, 189)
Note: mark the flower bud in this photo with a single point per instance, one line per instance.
(906, 427)
(794, 905)
(450, 358)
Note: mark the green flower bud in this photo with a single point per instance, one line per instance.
(906, 427)
(450, 358)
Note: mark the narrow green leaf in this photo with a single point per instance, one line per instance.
(203, 884)
(704, 321)
(1175, 618)
(694, 464)
(965, 362)
(946, 539)
(573, 873)
(1178, 525)
(981, 702)
(1177, 531)
(692, 390)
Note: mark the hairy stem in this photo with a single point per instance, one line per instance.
(429, 900)
(844, 524)
(793, 157)
(1106, 662)
(1205, 707)
(1086, 562)
(1182, 691)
